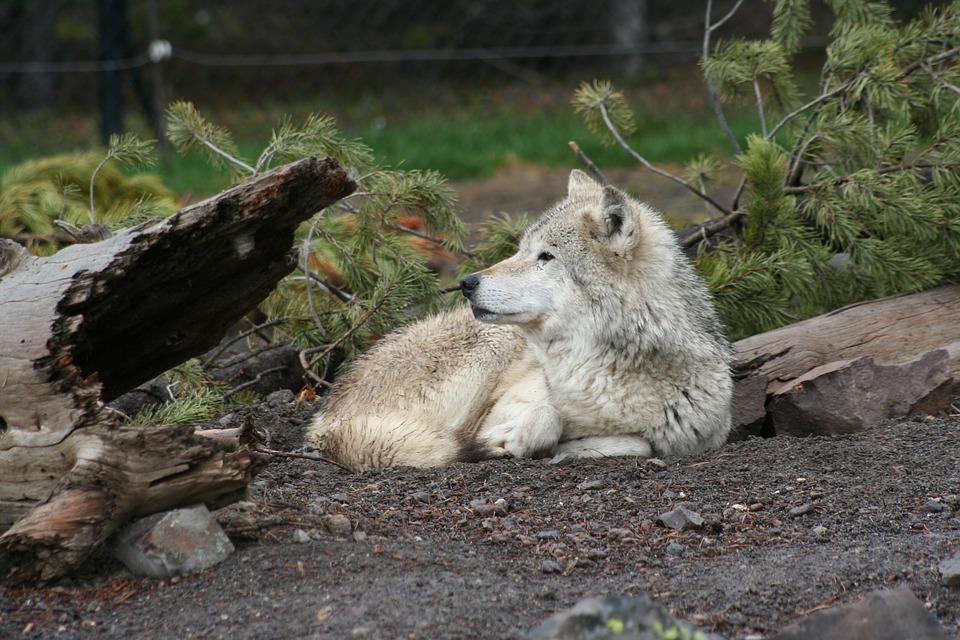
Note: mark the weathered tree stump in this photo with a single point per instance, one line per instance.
(95, 320)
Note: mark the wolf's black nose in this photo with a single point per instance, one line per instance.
(468, 284)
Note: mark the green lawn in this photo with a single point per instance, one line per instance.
(463, 142)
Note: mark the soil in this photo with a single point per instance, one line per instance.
(489, 550)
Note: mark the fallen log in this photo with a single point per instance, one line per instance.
(95, 320)
(858, 347)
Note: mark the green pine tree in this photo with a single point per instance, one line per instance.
(364, 261)
(849, 194)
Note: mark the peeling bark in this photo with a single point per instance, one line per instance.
(95, 320)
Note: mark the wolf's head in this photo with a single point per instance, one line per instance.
(583, 260)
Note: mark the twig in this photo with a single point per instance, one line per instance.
(919, 64)
(937, 78)
(325, 349)
(341, 295)
(243, 357)
(813, 103)
(306, 269)
(759, 96)
(710, 228)
(250, 383)
(303, 456)
(224, 154)
(423, 236)
(659, 172)
(807, 188)
(245, 334)
(712, 88)
(588, 163)
(308, 370)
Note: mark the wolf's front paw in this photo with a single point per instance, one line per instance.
(520, 439)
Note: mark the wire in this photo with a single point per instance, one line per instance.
(352, 57)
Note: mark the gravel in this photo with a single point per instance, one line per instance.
(491, 550)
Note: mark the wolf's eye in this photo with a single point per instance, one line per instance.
(545, 256)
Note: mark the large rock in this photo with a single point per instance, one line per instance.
(178, 542)
(883, 615)
(617, 618)
(852, 395)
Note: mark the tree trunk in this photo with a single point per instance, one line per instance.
(890, 331)
(95, 320)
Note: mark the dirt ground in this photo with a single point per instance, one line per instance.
(489, 550)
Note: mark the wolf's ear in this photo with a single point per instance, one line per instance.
(615, 219)
(581, 184)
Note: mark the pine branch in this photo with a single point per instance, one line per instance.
(126, 149)
(711, 87)
(594, 169)
(837, 180)
(664, 174)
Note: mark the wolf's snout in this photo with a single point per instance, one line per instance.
(469, 284)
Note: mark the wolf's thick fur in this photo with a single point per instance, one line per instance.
(596, 338)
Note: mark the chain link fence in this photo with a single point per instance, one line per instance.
(114, 57)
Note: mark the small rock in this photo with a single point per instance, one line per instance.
(657, 462)
(484, 507)
(178, 542)
(675, 549)
(933, 506)
(552, 534)
(301, 537)
(590, 484)
(619, 533)
(550, 566)
(681, 519)
(337, 524)
(280, 398)
(883, 615)
(802, 510)
(819, 531)
(359, 536)
(950, 571)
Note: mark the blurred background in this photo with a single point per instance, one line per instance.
(465, 87)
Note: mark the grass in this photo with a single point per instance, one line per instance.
(472, 139)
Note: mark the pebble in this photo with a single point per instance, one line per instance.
(550, 566)
(337, 524)
(548, 535)
(484, 507)
(950, 571)
(590, 484)
(301, 537)
(681, 519)
(801, 510)
(819, 531)
(675, 549)
(933, 506)
(280, 398)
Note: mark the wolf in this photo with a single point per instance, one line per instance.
(597, 338)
